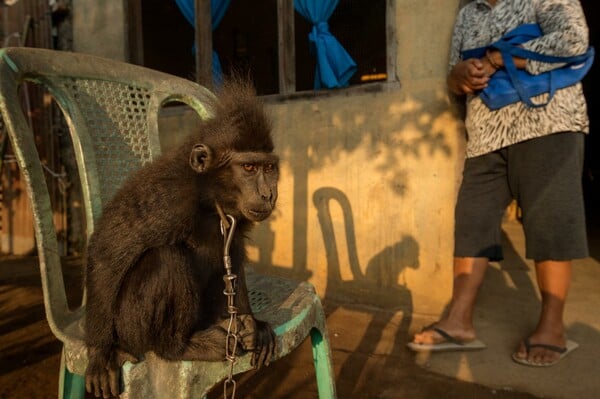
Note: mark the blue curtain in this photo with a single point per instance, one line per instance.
(335, 67)
(217, 11)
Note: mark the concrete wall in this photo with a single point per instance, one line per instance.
(100, 28)
(376, 170)
(388, 161)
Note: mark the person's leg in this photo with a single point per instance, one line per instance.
(553, 278)
(482, 200)
(549, 189)
(458, 321)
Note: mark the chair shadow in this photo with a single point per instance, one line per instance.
(375, 289)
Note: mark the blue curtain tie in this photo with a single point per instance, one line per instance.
(321, 27)
(511, 85)
(318, 31)
(334, 66)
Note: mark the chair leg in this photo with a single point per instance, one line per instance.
(70, 386)
(323, 365)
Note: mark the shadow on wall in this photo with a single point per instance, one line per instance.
(381, 129)
(379, 282)
(390, 132)
(389, 129)
(378, 286)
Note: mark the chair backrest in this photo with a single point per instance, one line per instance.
(112, 111)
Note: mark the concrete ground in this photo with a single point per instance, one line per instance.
(369, 352)
(508, 306)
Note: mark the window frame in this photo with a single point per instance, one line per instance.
(286, 50)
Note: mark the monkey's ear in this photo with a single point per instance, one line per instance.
(200, 158)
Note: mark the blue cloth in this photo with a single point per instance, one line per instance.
(217, 11)
(510, 85)
(335, 66)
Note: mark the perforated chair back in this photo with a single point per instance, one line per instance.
(112, 111)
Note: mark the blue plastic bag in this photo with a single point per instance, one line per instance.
(510, 85)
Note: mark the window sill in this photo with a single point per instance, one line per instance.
(365, 88)
(177, 108)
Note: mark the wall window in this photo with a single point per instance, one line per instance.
(267, 40)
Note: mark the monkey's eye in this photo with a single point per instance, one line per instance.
(249, 167)
(269, 167)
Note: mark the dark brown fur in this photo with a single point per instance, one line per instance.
(155, 264)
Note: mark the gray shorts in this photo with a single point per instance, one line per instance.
(544, 176)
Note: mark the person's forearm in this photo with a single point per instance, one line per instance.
(495, 59)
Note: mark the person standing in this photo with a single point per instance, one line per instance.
(531, 154)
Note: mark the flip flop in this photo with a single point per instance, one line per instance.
(451, 343)
(564, 351)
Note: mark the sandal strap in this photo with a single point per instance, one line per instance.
(447, 336)
(443, 333)
(553, 348)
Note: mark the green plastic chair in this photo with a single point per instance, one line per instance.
(112, 109)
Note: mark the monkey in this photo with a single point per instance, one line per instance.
(154, 273)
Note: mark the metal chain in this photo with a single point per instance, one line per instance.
(229, 278)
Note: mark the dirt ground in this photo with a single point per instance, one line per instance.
(30, 355)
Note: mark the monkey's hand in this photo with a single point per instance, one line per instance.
(103, 372)
(257, 336)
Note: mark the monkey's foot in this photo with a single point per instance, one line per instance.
(257, 336)
(104, 370)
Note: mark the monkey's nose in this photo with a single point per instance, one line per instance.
(267, 197)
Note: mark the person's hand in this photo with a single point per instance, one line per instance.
(470, 76)
(492, 61)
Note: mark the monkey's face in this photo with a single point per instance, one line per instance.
(243, 183)
(255, 176)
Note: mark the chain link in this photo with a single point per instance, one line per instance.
(229, 278)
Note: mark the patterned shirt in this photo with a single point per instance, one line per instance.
(565, 33)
